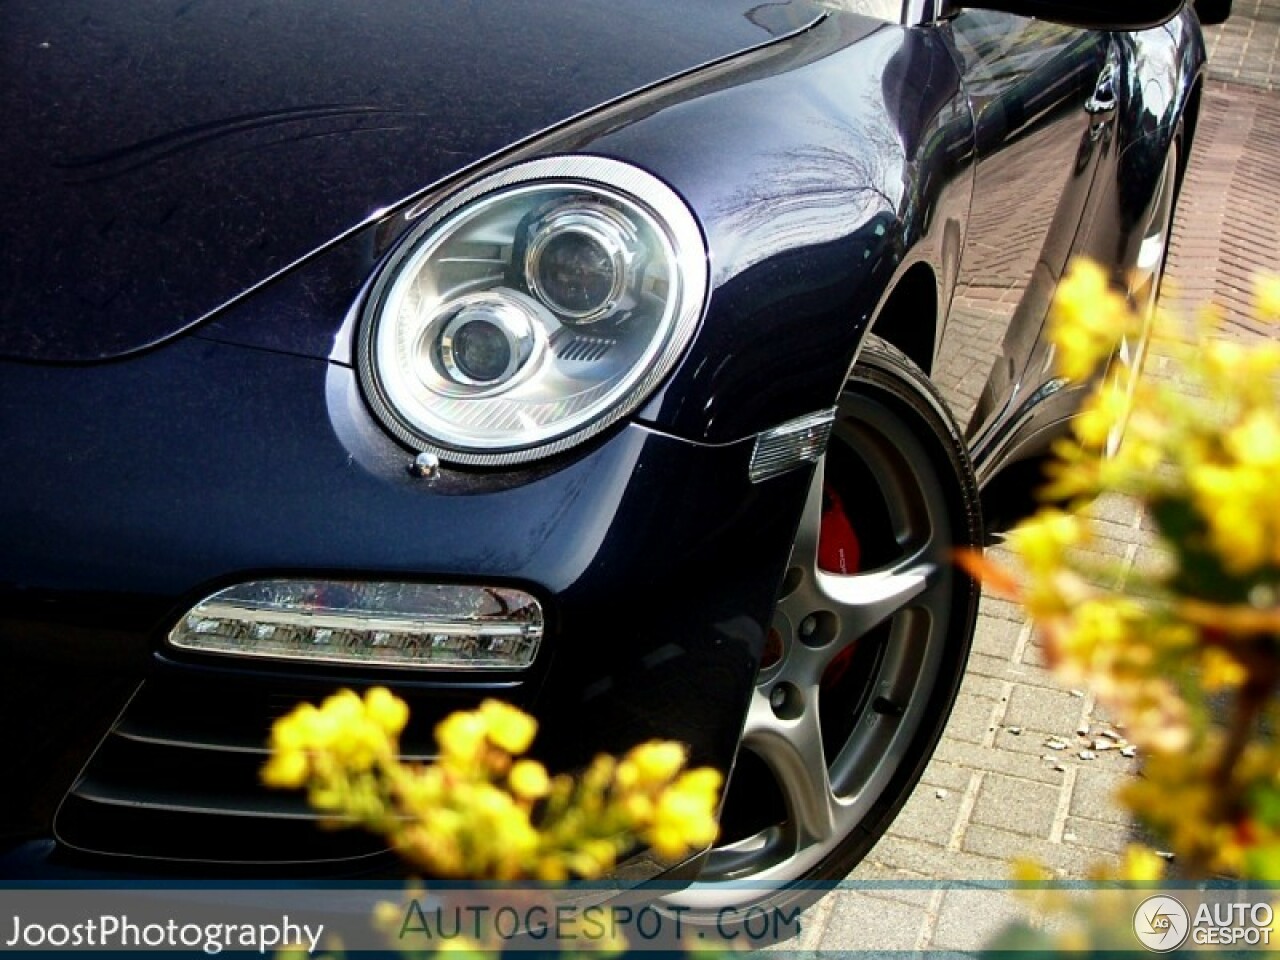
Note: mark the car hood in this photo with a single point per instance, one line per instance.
(161, 158)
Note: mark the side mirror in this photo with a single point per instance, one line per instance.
(1095, 14)
(1212, 12)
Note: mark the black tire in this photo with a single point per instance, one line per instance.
(899, 464)
(1212, 12)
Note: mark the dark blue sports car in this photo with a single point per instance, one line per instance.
(638, 363)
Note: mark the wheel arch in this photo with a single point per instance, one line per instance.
(901, 318)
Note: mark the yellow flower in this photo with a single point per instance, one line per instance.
(1095, 628)
(529, 780)
(1042, 540)
(684, 817)
(1221, 671)
(508, 727)
(1141, 865)
(638, 807)
(460, 736)
(434, 843)
(1255, 441)
(505, 822)
(467, 948)
(668, 841)
(657, 761)
(296, 730)
(1087, 320)
(386, 710)
(286, 768)
(1106, 407)
(1029, 871)
(627, 775)
(1232, 501)
(594, 859)
(358, 743)
(1239, 372)
(703, 783)
(345, 706)
(551, 869)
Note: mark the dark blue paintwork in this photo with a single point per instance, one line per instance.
(219, 142)
(803, 245)
(214, 494)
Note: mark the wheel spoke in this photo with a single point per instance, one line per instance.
(804, 552)
(793, 750)
(831, 686)
(867, 599)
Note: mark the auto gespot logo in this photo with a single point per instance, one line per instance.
(1162, 923)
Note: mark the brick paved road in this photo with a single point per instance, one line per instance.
(995, 790)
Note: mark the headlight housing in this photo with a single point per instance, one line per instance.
(532, 309)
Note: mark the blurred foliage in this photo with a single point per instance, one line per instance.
(1184, 651)
(481, 810)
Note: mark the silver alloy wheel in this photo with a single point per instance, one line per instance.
(844, 756)
(1143, 290)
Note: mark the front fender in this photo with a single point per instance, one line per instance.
(819, 178)
(818, 166)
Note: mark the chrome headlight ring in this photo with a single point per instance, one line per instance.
(531, 310)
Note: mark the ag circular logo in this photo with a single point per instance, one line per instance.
(1161, 923)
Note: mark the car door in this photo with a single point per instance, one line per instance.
(1039, 95)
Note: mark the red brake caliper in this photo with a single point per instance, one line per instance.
(838, 552)
(838, 549)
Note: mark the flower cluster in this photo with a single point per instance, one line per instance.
(482, 810)
(341, 752)
(1186, 655)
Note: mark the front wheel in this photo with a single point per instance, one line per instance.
(868, 644)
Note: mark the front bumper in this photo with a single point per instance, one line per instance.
(136, 488)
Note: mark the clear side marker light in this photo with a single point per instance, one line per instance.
(790, 444)
(404, 625)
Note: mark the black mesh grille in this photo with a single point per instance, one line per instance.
(176, 779)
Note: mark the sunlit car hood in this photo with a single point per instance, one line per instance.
(162, 157)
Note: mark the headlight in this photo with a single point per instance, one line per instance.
(532, 309)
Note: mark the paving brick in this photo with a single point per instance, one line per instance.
(997, 638)
(997, 761)
(976, 685)
(1023, 674)
(1110, 837)
(1000, 609)
(1051, 711)
(948, 776)
(1103, 550)
(1030, 742)
(1094, 797)
(1116, 509)
(861, 922)
(967, 919)
(1245, 48)
(971, 719)
(937, 862)
(926, 816)
(1033, 655)
(1063, 859)
(892, 883)
(1026, 808)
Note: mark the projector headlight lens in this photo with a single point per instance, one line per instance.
(581, 261)
(532, 309)
(487, 341)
